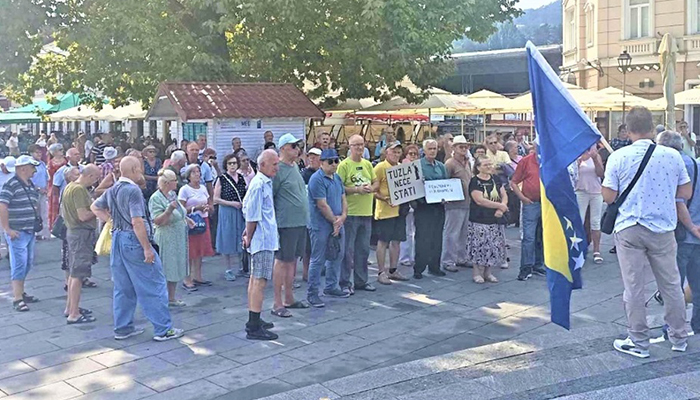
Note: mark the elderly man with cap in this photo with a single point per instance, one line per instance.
(313, 157)
(456, 230)
(107, 167)
(20, 220)
(389, 219)
(292, 213)
(328, 209)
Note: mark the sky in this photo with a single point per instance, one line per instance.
(525, 4)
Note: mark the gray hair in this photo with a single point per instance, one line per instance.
(429, 141)
(55, 147)
(189, 169)
(670, 139)
(178, 155)
(262, 155)
(509, 145)
(165, 176)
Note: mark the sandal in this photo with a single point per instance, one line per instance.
(201, 283)
(29, 299)
(491, 279)
(597, 258)
(83, 319)
(281, 312)
(20, 305)
(192, 288)
(176, 303)
(478, 279)
(82, 311)
(298, 304)
(88, 283)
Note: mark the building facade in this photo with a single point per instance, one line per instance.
(597, 31)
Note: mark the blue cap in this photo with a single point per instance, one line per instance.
(329, 154)
(286, 139)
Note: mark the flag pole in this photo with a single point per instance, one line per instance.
(606, 144)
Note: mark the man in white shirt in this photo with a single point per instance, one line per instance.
(644, 230)
(689, 139)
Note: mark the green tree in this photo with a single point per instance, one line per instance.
(121, 49)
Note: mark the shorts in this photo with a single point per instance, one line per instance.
(307, 253)
(81, 245)
(261, 264)
(390, 229)
(292, 243)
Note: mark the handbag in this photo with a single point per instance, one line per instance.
(59, 228)
(607, 225)
(332, 247)
(200, 225)
(680, 232)
(103, 246)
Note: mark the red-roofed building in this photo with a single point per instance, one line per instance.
(222, 111)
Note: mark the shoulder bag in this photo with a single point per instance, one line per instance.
(38, 223)
(607, 225)
(681, 233)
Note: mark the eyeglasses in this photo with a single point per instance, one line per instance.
(232, 163)
(294, 145)
(491, 142)
(333, 161)
(412, 153)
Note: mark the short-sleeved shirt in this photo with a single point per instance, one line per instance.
(258, 206)
(434, 171)
(98, 151)
(491, 190)
(458, 170)
(694, 207)
(331, 189)
(194, 197)
(528, 173)
(291, 203)
(382, 209)
(76, 196)
(124, 201)
(40, 179)
(687, 148)
(355, 174)
(306, 174)
(652, 201)
(501, 157)
(19, 198)
(59, 178)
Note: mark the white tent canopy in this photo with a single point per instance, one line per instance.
(108, 113)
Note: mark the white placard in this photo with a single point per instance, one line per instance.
(405, 182)
(443, 189)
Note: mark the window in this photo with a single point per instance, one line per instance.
(693, 17)
(590, 24)
(639, 18)
(570, 26)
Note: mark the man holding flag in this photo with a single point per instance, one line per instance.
(644, 229)
(564, 133)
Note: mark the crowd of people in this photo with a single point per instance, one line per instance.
(289, 202)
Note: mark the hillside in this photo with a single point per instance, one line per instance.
(542, 26)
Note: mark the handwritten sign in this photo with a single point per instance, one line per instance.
(443, 189)
(405, 182)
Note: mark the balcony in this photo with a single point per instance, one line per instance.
(691, 44)
(641, 47)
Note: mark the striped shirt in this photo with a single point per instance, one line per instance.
(20, 213)
(98, 152)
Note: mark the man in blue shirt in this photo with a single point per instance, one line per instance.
(429, 218)
(688, 255)
(41, 182)
(329, 209)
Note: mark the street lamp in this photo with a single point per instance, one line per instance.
(624, 61)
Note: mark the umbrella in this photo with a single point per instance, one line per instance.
(612, 100)
(19, 118)
(523, 103)
(667, 58)
(65, 101)
(435, 103)
(131, 111)
(80, 113)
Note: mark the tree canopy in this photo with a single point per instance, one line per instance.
(122, 49)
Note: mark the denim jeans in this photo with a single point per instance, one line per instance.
(21, 250)
(134, 280)
(531, 253)
(319, 242)
(688, 258)
(357, 233)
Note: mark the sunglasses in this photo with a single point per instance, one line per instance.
(232, 163)
(491, 142)
(294, 145)
(333, 161)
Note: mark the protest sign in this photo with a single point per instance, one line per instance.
(443, 189)
(405, 182)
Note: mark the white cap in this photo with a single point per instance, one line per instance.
(109, 153)
(314, 150)
(9, 163)
(25, 160)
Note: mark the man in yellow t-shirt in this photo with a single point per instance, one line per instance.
(390, 225)
(498, 157)
(360, 183)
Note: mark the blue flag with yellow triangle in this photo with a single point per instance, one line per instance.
(564, 132)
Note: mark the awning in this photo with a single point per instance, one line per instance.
(65, 101)
(108, 113)
(19, 118)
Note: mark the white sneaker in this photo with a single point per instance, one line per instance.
(627, 346)
(172, 333)
(681, 348)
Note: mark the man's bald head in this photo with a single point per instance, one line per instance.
(130, 168)
(73, 155)
(90, 175)
(268, 163)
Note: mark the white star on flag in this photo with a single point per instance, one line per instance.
(580, 259)
(575, 241)
(569, 225)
